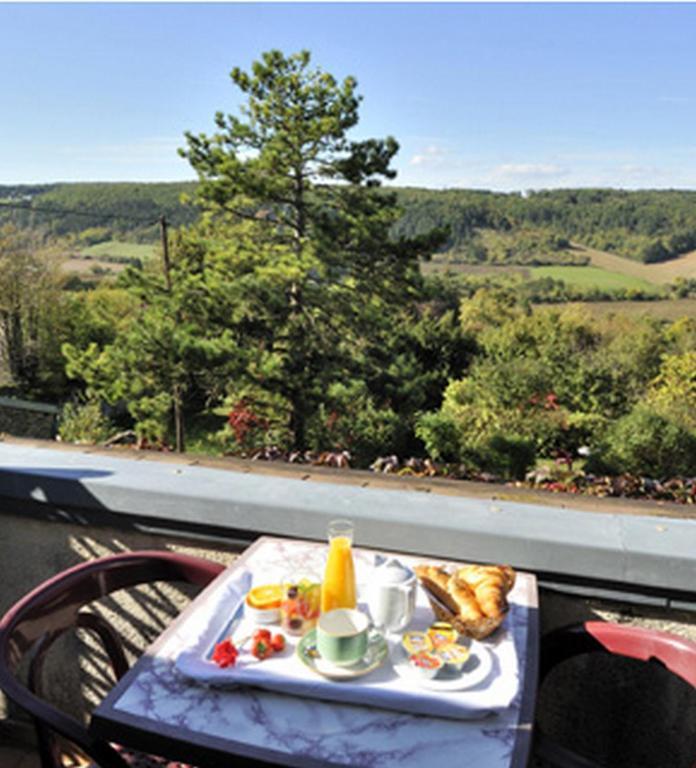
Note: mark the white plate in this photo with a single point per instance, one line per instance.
(476, 669)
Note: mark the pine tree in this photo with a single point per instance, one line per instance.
(298, 227)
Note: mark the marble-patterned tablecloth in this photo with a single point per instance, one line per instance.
(299, 731)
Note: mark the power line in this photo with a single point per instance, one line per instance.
(73, 212)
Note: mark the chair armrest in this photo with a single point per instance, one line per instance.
(677, 654)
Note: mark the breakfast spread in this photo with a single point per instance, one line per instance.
(473, 598)
(337, 638)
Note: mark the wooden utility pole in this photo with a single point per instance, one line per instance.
(165, 252)
(176, 388)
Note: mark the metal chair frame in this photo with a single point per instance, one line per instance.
(32, 625)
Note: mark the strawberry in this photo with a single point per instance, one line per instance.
(278, 643)
(263, 635)
(261, 649)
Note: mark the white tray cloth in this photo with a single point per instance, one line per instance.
(382, 688)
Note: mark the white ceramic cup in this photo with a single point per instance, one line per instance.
(342, 636)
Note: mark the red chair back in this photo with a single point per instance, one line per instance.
(676, 654)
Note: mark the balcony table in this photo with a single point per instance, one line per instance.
(155, 709)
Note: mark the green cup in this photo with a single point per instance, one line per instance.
(342, 636)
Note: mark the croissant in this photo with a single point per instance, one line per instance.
(465, 599)
(490, 585)
(436, 580)
(473, 574)
(458, 597)
(472, 599)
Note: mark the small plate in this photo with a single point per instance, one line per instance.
(376, 654)
(475, 670)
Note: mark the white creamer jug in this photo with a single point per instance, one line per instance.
(391, 594)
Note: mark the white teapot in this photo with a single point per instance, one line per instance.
(391, 594)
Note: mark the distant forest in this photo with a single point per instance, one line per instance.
(123, 210)
(483, 227)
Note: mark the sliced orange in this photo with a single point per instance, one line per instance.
(265, 596)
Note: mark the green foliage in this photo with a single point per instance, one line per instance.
(94, 235)
(552, 381)
(84, 423)
(593, 277)
(313, 274)
(482, 227)
(508, 228)
(124, 207)
(32, 312)
(673, 393)
(295, 302)
(507, 456)
(351, 420)
(440, 436)
(646, 443)
(523, 245)
(504, 454)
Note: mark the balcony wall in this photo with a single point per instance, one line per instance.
(59, 508)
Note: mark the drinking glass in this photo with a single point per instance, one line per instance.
(300, 601)
(338, 589)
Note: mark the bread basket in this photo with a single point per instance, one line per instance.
(478, 629)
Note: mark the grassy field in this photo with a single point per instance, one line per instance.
(592, 277)
(458, 268)
(659, 274)
(667, 309)
(113, 248)
(85, 267)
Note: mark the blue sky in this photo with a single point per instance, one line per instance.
(479, 95)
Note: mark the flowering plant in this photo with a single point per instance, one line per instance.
(225, 654)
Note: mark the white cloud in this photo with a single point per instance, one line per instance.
(528, 171)
(431, 155)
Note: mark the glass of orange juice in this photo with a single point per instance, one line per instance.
(338, 589)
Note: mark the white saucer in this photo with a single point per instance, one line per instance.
(376, 654)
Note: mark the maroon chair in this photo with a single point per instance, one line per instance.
(650, 646)
(33, 624)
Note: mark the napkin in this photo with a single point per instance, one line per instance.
(222, 616)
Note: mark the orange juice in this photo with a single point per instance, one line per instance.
(338, 589)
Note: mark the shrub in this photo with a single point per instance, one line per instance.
(84, 423)
(509, 456)
(255, 421)
(440, 436)
(351, 420)
(645, 443)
